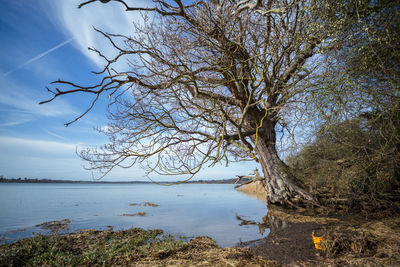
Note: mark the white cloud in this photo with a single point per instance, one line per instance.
(15, 118)
(56, 135)
(35, 147)
(25, 157)
(78, 24)
(17, 98)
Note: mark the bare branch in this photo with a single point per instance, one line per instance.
(207, 82)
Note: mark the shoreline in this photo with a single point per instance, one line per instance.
(58, 181)
(347, 240)
(130, 247)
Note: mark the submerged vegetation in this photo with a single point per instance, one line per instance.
(141, 213)
(55, 226)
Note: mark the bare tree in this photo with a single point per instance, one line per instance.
(209, 82)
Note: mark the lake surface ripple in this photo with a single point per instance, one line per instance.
(188, 209)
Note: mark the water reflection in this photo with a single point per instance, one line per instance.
(261, 225)
(189, 209)
(275, 223)
(269, 222)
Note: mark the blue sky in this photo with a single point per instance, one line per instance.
(46, 40)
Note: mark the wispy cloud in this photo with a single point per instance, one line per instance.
(39, 56)
(14, 117)
(27, 157)
(15, 98)
(79, 24)
(14, 123)
(24, 157)
(56, 135)
(39, 147)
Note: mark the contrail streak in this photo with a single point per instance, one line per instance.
(40, 56)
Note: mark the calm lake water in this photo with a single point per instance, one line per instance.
(187, 209)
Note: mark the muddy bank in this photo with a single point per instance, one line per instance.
(290, 241)
(346, 240)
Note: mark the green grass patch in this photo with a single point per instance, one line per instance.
(90, 248)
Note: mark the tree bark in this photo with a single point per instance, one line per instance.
(280, 185)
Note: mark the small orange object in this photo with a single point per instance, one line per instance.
(317, 241)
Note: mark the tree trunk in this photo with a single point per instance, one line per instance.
(280, 185)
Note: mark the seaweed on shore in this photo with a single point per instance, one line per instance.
(55, 226)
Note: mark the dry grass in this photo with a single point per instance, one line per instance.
(134, 247)
(203, 251)
(375, 243)
(354, 241)
(255, 189)
(340, 241)
(298, 218)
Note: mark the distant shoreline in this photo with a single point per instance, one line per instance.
(48, 181)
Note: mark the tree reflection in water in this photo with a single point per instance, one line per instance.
(273, 223)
